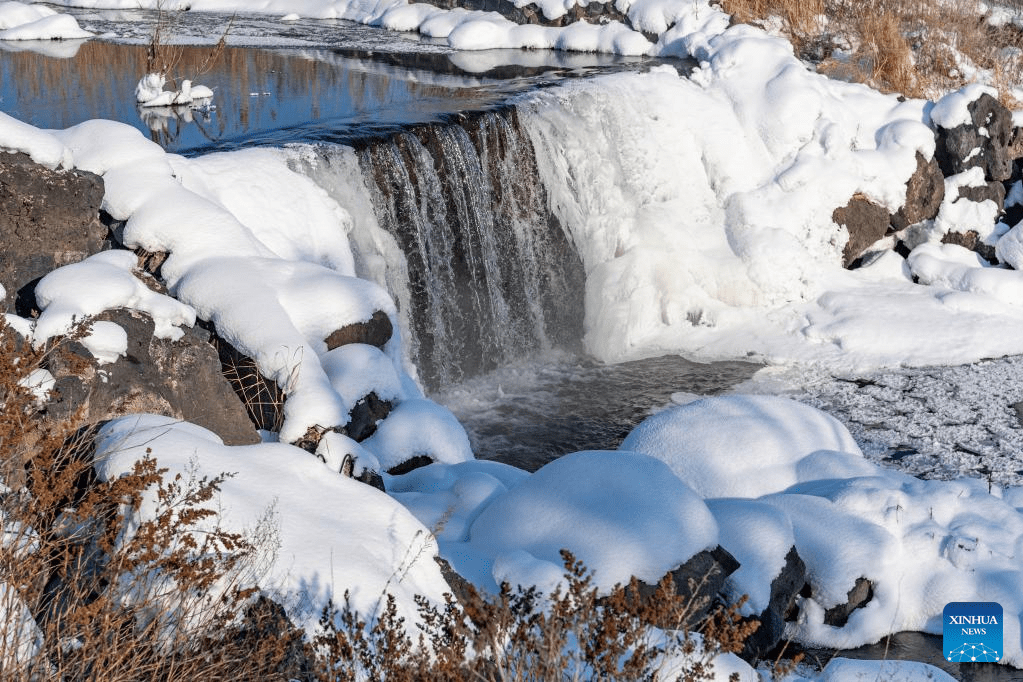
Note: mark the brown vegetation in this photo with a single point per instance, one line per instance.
(914, 47)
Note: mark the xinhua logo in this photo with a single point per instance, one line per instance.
(973, 632)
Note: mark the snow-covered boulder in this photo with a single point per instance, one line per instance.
(329, 534)
(623, 514)
(748, 445)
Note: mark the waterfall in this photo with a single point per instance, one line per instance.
(486, 275)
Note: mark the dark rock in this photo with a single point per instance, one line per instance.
(264, 621)
(461, 589)
(971, 240)
(1018, 409)
(925, 190)
(1016, 147)
(375, 332)
(179, 379)
(698, 581)
(992, 191)
(781, 608)
(364, 417)
(310, 441)
(955, 150)
(371, 478)
(416, 462)
(262, 398)
(865, 221)
(47, 219)
(860, 594)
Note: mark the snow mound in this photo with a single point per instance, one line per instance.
(623, 514)
(419, 427)
(19, 21)
(333, 533)
(150, 93)
(447, 498)
(103, 281)
(41, 147)
(747, 446)
(849, 670)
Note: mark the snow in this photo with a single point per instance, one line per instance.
(951, 110)
(44, 149)
(20, 21)
(275, 288)
(419, 427)
(769, 440)
(701, 209)
(850, 670)
(920, 543)
(107, 341)
(758, 536)
(328, 533)
(447, 498)
(22, 640)
(102, 282)
(40, 382)
(150, 93)
(612, 510)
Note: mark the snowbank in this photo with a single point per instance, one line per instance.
(330, 534)
(772, 443)
(276, 286)
(921, 543)
(19, 21)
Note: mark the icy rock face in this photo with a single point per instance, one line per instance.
(47, 219)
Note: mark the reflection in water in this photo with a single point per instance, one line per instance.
(256, 91)
(166, 123)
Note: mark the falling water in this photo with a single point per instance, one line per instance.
(491, 275)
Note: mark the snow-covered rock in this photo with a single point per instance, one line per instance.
(748, 446)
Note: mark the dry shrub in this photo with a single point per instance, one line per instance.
(165, 58)
(914, 47)
(89, 590)
(572, 634)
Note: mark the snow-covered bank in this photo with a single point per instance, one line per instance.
(677, 26)
(20, 21)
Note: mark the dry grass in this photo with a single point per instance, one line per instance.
(913, 47)
(89, 590)
(520, 635)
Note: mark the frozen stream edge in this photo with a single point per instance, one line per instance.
(931, 422)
